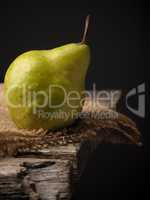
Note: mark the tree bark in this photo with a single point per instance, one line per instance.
(47, 165)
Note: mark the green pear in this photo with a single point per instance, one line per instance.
(45, 88)
(37, 82)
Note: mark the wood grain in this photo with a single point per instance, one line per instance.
(47, 165)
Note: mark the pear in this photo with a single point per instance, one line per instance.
(45, 88)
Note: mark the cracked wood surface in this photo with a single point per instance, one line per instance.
(47, 165)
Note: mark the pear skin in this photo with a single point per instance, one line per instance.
(37, 83)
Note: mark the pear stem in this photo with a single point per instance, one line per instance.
(85, 29)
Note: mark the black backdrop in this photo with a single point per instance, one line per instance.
(118, 35)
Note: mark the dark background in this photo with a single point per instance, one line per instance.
(118, 35)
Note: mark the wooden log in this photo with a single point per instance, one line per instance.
(47, 165)
(34, 179)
